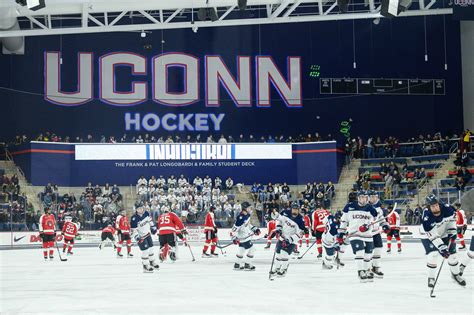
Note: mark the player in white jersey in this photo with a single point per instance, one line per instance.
(356, 221)
(289, 230)
(376, 237)
(438, 236)
(142, 227)
(241, 234)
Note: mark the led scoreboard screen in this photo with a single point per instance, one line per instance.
(382, 86)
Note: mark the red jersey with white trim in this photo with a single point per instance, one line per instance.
(209, 224)
(318, 220)
(109, 229)
(460, 218)
(393, 220)
(169, 223)
(271, 225)
(70, 230)
(122, 224)
(307, 221)
(47, 224)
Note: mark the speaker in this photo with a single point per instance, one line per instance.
(392, 8)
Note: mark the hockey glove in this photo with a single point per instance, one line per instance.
(284, 243)
(215, 229)
(184, 232)
(386, 229)
(278, 232)
(137, 238)
(41, 235)
(364, 228)
(340, 239)
(153, 230)
(235, 240)
(443, 250)
(257, 232)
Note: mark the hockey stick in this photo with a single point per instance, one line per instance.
(307, 250)
(59, 252)
(436, 280)
(271, 267)
(190, 250)
(375, 222)
(222, 247)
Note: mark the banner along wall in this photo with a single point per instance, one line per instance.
(122, 164)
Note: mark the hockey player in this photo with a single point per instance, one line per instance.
(168, 225)
(289, 230)
(376, 237)
(461, 225)
(69, 232)
(469, 256)
(108, 233)
(307, 225)
(438, 236)
(356, 221)
(241, 235)
(394, 221)
(123, 233)
(210, 228)
(318, 227)
(271, 225)
(329, 240)
(47, 225)
(142, 227)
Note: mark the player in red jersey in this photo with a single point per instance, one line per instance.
(461, 224)
(168, 224)
(47, 231)
(393, 220)
(271, 225)
(307, 225)
(319, 227)
(123, 233)
(107, 234)
(210, 229)
(69, 232)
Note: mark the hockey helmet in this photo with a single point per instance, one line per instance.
(431, 200)
(67, 218)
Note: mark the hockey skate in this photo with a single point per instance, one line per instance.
(272, 274)
(237, 267)
(319, 256)
(460, 280)
(51, 257)
(362, 276)
(100, 245)
(129, 255)
(399, 250)
(70, 253)
(45, 258)
(214, 255)
(154, 265)
(327, 266)
(461, 269)
(339, 262)
(249, 267)
(281, 273)
(389, 250)
(173, 256)
(377, 273)
(205, 255)
(431, 282)
(267, 246)
(119, 255)
(463, 247)
(147, 268)
(370, 276)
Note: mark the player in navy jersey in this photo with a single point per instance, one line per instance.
(241, 234)
(438, 236)
(329, 240)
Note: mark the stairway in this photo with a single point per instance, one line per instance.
(348, 177)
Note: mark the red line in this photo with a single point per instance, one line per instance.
(318, 151)
(43, 151)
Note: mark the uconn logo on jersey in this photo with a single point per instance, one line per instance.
(361, 216)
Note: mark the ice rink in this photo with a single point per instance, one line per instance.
(94, 281)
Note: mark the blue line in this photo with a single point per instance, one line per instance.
(232, 151)
(147, 151)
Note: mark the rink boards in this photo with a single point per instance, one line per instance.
(19, 239)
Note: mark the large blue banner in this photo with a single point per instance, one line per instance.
(123, 164)
(250, 80)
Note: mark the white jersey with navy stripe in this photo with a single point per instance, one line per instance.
(141, 224)
(438, 227)
(242, 228)
(290, 229)
(354, 216)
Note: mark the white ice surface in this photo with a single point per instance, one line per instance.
(94, 281)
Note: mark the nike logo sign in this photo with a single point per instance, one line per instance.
(17, 239)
